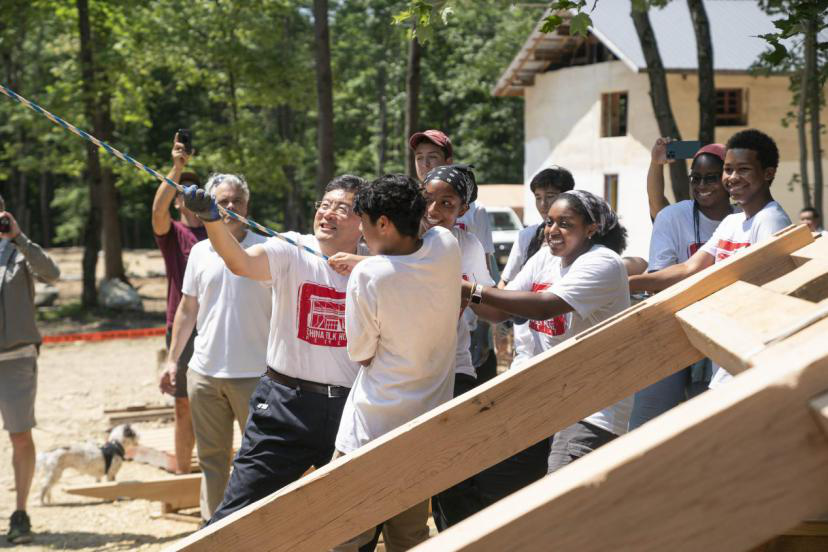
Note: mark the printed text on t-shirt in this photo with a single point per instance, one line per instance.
(555, 325)
(321, 315)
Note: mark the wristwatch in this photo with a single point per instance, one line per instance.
(477, 294)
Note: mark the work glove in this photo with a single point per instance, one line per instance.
(201, 203)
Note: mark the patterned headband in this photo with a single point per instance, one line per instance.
(459, 177)
(599, 210)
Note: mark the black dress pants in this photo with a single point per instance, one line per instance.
(287, 432)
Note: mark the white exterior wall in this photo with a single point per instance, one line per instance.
(563, 126)
(562, 120)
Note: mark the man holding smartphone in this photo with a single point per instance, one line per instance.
(21, 261)
(175, 239)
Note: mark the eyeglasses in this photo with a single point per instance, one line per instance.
(696, 179)
(342, 209)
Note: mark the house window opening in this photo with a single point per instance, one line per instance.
(614, 114)
(731, 107)
(611, 190)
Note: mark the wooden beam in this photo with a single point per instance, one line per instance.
(177, 492)
(808, 281)
(727, 470)
(819, 406)
(817, 250)
(505, 415)
(729, 328)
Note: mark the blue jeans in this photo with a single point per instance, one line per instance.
(663, 395)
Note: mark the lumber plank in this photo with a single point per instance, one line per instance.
(728, 327)
(177, 492)
(727, 470)
(819, 406)
(808, 281)
(816, 250)
(492, 422)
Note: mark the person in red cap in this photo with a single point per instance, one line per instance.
(679, 230)
(432, 148)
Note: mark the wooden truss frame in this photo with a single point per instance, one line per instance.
(727, 470)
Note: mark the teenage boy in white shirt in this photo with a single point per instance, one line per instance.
(749, 168)
(229, 347)
(401, 314)
(296, 407)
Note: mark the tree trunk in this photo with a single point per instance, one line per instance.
(45, 219)
(660, 98)
(412, 101)
(813, 108)
(324, 95)
(92, 228)
(707, 86)
(382, 143)
(801, 133)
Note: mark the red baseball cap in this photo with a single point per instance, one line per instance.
(713, 149)
(436, 137)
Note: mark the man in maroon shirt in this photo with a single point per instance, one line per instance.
(175, 239)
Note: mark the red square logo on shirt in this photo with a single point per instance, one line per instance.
(555, 325)
(321, 315)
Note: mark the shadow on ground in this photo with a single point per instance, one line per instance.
(80, 540)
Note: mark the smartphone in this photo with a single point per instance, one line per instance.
(185, 138)
(5, 224)
(684, 149)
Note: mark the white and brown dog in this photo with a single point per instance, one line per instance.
(86, 458)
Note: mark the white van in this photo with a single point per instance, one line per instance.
(505, 228)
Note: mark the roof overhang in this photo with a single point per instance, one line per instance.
(538, 52)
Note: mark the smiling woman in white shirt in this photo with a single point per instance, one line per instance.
(680, 230)
(566, 288)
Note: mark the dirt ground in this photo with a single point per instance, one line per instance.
(76, 382)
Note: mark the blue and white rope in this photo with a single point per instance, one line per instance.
(138, 165)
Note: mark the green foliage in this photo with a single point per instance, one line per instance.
(240, 75)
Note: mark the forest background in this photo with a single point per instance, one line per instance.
(241, 75)
(290, 93)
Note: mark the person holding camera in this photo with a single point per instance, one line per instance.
(21, 261)
(175, 239)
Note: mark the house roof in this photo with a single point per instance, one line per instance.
(735, 26)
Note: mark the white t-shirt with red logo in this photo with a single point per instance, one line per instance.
(735, 233)
(596, 287)
(674, 237)
(473, 267)
(233, 313)
(401, 314)
(524, 341)
(307, 327)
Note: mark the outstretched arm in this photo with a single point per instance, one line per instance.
(251, 262)
(498, 305)
(666, 277)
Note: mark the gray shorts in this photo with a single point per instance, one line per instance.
(18, 387)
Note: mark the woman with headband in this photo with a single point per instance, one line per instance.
(576, 282)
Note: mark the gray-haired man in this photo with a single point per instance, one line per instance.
(233, 317)
(21, 261)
